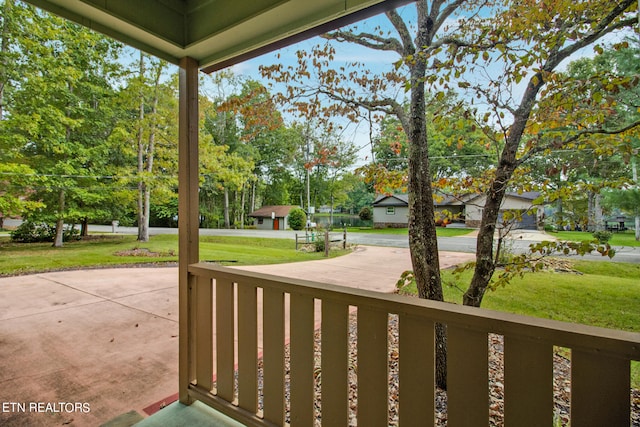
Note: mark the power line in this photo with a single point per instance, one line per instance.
(461, 156)
(50, 175)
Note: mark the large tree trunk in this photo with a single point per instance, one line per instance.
(253, 196)
(146, 155)
(58, 240)
(423, 242)
(243, 198)
(151, 147)
(485, 261)
(591, 224)
(143, 219)
(84, 227)
(144, 196)
(634, 171)
(227, 222)
(331, 211)
(595, 214)
(559, 214)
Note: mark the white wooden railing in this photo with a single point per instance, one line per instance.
(240, 320)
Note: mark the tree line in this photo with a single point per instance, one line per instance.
(88, 131)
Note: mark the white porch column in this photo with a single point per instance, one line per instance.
(188, 217)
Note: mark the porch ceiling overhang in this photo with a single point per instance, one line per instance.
(216, 33)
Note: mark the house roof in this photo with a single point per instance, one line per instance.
(280, 211)
(449, 200)
(216, 33)
(391, 200)
(527, 195)
(445, 199)
(403, 200)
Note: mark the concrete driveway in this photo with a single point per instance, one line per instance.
(79, 348)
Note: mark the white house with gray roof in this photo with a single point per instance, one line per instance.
(393, 210)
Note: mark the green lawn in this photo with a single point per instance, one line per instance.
(607, 294)
(120, 250)
(441, 231)
(626, 238)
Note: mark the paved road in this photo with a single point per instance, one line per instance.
(465, 244)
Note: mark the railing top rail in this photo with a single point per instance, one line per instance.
(621, 343)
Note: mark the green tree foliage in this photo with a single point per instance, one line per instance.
(628, 201)
(529, 43)
(359, 195)
(366, 213)
(297, 219)
(15, 176)
(458, 149)
(228, 125)
(145, 141)
(600, 162)
(60, 119)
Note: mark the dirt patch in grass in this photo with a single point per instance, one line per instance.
(144, 252)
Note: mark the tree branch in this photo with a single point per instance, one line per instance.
(439, 20)
(573, 138)
(603, 28)
(367, 40)
(384, 105)
(405, 36)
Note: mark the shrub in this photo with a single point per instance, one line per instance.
(319, 244)
(297, 219)
(602, 236)
(32, 232)
(366, 214)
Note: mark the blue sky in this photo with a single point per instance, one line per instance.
(348, 52)
(345, 53)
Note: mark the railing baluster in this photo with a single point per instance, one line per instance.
(599, 390)
(467, 377)
(301, 355)
(373, 381)
(417, 371)
(204, 332)
(273, 357)
(335, 364)
(528, 383)
(224, 339)
(247, 347)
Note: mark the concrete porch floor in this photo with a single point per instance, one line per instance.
(196, 415)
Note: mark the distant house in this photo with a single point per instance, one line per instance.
(272, 217)
(393, 210)
(520, 205)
